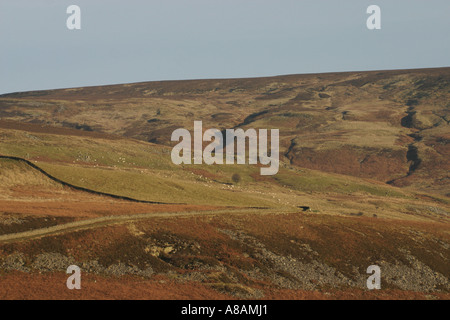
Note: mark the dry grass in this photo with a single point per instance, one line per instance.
(343, 136)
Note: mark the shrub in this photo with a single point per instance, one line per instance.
(236, 177)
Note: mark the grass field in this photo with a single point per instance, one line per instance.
(363, 180)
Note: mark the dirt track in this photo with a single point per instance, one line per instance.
(105, 221)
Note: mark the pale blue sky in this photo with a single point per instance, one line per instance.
(144, 40)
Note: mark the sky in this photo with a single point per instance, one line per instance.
(147, 40)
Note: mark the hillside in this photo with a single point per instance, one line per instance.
(391, 126)
(86, 178)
